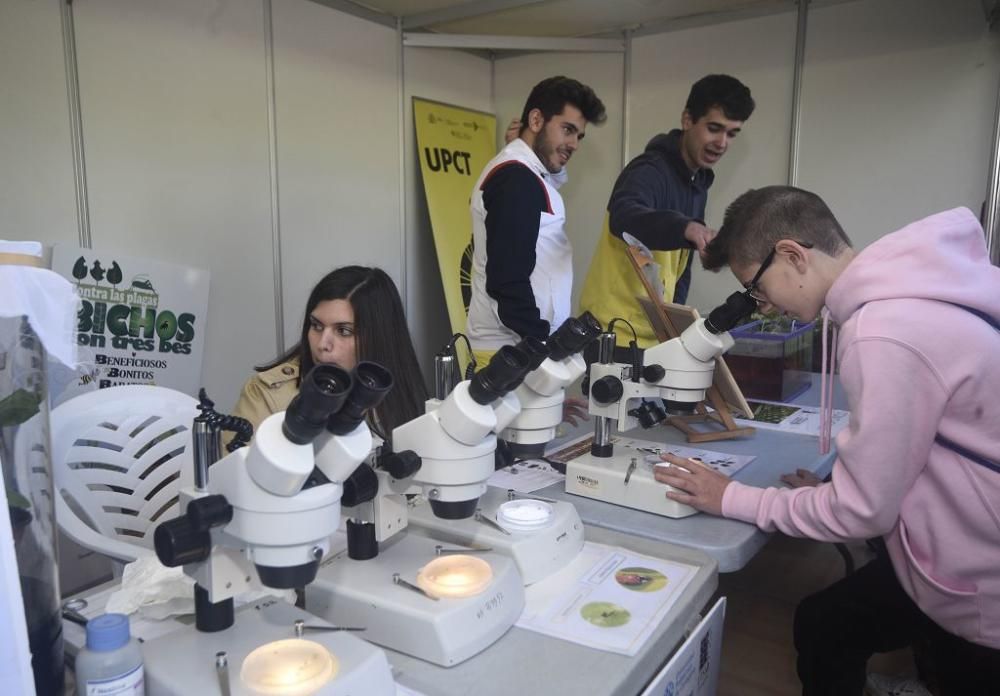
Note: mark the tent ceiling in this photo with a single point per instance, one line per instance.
(556, 18)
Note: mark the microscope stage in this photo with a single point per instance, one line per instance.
(537, 554)
(607, 479)
(182, 662)
(445, 631)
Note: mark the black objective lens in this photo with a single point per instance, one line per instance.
(648, 413)
(323, 392)
(507, 366)
(370, 385)
(573, 335)
(287, 577)
(679, 408)
(454, 509)
(731, 313)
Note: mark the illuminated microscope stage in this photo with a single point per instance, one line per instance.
(544, 537)
(444, 631)
(182, 662)
(609, 479)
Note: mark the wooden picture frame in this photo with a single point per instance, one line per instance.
(669, 320)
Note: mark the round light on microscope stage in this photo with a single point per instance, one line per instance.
(455, 576)
(525, 515)
(293, 667)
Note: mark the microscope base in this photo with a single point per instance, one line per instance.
(537, 554)
(182, 662)
(446, 631)
(603, 478)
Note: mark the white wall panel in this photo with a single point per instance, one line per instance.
(452, 77)
(337, 117)
(760, 52)
(898, 106)
(37, 194)
(596, 164)
(175, 130)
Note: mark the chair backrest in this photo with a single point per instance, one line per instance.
(119, 457)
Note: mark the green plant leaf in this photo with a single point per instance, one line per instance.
(18, 407)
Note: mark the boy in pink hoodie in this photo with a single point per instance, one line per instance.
(919, 465)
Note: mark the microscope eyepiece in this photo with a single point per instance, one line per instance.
(729, 314)
(536, 351)
(370, 385)
(573, 335)
(323, 391)
(507, 366)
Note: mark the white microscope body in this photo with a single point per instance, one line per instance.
(541, 535)
(676, 373)
(259, 510)
(543, 390)
(412, 595)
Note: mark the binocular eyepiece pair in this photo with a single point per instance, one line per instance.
(508, 367)
(333, 399)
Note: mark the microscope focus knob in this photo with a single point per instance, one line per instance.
(186, 539)
(177, 542)
(653, 373)
(607, 390)
(360, 487)
(210, 511)
(401, 465)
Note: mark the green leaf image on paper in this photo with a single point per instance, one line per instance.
(641, 579)
(605, 614)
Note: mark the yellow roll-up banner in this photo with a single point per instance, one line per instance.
(453, 145)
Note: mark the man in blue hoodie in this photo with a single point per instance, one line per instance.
(660, 198)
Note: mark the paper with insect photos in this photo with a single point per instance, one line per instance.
(649, 453)
(791, 418)
(607, 598)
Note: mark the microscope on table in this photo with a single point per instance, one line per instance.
(671, 377)
(262, 511)
(541, 535)
(411, 593)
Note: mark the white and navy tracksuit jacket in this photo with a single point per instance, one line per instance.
(522, 267)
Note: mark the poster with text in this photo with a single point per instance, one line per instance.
(694, 669)
(141, 321)
(453, 146)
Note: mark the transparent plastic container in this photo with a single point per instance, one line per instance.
(771, 365)
(27, 472)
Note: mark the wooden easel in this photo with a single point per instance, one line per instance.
(668, 321)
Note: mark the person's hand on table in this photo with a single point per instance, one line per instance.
(575, 410)
(697, 485)
(801, 478)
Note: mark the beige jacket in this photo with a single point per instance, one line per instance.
(266, 393)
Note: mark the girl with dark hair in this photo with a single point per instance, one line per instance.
(354, 313)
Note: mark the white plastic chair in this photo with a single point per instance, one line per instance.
(119, 457)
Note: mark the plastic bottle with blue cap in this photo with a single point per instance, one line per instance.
(111, 663)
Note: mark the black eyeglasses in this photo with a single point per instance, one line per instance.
(751, 287)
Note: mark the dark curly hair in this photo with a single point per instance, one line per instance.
(551, 95)
(722, 91)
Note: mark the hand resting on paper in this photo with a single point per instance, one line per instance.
(697, 485)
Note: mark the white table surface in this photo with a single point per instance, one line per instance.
(730, 542)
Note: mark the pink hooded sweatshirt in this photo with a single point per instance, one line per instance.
(913, 365)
